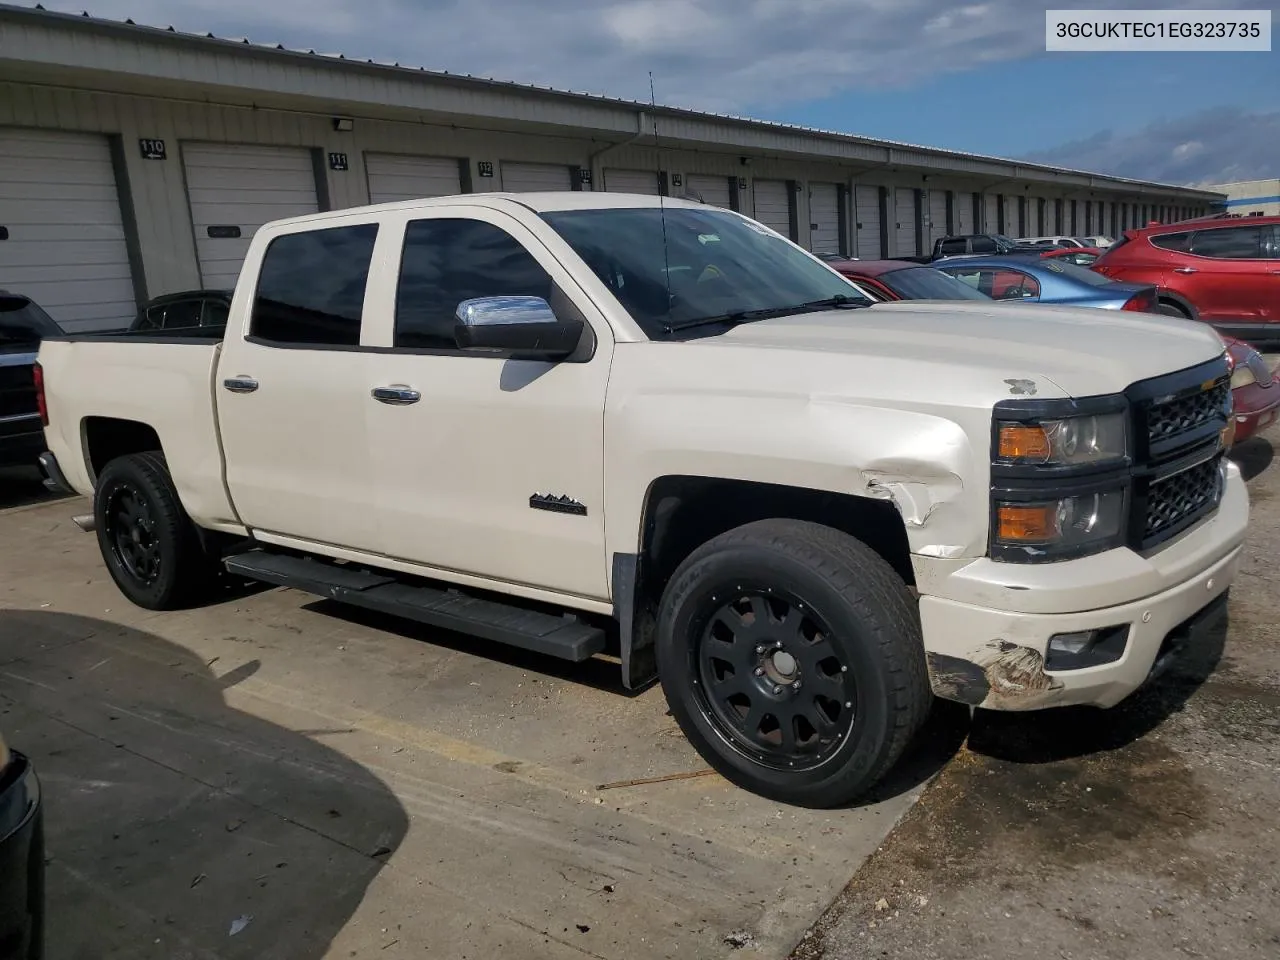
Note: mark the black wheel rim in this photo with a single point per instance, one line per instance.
(773, 681)
(131, 533)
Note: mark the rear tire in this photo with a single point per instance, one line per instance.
(791, 657)
(148, 542)
(1172, 310)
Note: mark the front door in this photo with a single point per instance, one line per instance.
(292, 387)
(485, 465)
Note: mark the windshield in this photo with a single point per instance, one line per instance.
(21, 321)
(699, 268)
(926, 283)
(1083, 274)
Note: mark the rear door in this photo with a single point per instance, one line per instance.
(292, 387)
(1228, 279)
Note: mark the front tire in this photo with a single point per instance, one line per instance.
(791, 657)
(148, 542)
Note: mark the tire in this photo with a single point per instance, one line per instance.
(850, 633)
(1172, 310)
(148, 542)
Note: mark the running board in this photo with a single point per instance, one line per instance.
(564, 636)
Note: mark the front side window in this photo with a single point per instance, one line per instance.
(215, 313)
(687, 267)
(1228, 243)
(984, 245)
(447, 261)
(311, 287)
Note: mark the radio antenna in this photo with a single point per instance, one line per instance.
(663, 186)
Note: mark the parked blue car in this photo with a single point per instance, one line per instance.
(1036, 279)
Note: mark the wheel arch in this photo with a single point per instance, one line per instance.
(1165, 295)
(105, 438)
(682, 512)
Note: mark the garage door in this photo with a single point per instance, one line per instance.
(962, 212)
(233, 190)
(531, 177)
(632, 181)
(904, 212)
(990, 220)
(773, 205)
(937, 217)
(393, 177)
(66, 247)
(713, 190)
(824, 218)
(867, 228)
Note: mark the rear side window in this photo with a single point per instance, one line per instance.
(951, 247)
(174, 315)
(447, 261)
(1180, 242)
(1228, 243)
(984, 245)
(311, 287)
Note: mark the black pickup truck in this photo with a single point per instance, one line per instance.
(22, 326)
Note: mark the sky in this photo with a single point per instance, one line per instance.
(967, 76)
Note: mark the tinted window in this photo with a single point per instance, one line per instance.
(984, 245)
(949, 248)
(1274, 252)
(175, 315)
(21, 321)
(311, 287)
(998, 283)
(926, 283)
(215, 313)
(448, 261)
(1229, 243)
(698, 266)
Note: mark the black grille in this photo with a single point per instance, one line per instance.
(17, 390)
(1174, 417)
(1178, 501)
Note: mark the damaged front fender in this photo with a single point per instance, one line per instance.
(1000, 676)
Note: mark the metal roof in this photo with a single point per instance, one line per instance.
(229, 44)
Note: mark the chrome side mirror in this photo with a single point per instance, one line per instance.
(524, 326)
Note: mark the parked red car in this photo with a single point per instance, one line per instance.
(1255, 392)
(1223, 271)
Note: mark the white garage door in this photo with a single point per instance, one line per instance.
(233, 190)
(713, 190)
(937, 217)
(962, 213)
(393, 177)
(66, 247)
(904, 212)
(824, 218)
(532, 177)
(990, 215)
(867, 212)
(632, 181)
(773, 205)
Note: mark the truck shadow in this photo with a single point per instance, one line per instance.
(1069, 732)
(176, 824)
(22, 486)
(1253, 456)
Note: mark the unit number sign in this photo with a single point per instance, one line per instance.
(151, 149)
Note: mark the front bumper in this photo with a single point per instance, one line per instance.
(1255, 408)
(993, 656)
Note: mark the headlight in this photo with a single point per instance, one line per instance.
(1069, 525)
(1074, 441)
(1242, 377)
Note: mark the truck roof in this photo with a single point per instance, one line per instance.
(539, 202)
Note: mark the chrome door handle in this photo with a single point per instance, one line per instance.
(240, 384)
(398, 395)
(1184, 269)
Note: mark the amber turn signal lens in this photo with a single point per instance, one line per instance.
(1036, 523)
(1023, 442)
(1229, 434)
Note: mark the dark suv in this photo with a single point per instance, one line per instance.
(22, 326)
(975, 243)
(1223, 271)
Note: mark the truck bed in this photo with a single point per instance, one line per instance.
(95, 381)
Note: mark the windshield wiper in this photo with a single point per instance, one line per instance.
(840, 301)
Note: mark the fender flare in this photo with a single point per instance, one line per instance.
(1164, 293)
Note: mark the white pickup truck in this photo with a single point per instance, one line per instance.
(599, 424)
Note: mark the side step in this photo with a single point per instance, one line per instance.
(564, 636)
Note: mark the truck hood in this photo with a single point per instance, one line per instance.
(1080, 351)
